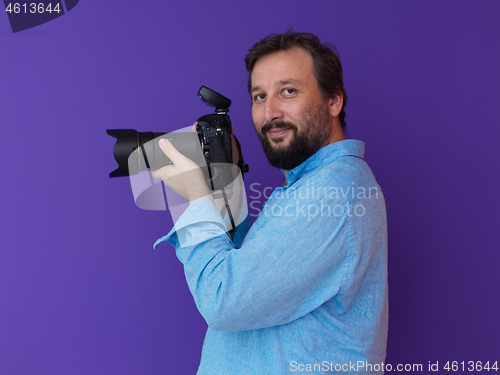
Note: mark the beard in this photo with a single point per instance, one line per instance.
(313, 132)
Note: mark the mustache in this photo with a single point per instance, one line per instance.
(277, 125)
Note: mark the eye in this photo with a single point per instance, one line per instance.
(289, 92)
(259, 97)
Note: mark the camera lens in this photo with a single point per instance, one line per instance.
(139, 151)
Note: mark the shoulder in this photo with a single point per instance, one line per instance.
(347, 178)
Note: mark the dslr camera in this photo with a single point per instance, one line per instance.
(210, 146)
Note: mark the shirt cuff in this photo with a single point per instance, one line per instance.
(200, 222)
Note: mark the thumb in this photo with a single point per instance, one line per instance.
(170, 151)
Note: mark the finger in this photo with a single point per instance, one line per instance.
(195, 126)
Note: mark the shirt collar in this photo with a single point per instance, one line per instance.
(325, 155)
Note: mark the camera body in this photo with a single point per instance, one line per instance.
(214, 131)
(139, 151)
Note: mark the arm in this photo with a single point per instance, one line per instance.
(284, 269)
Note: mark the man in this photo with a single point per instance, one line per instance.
(306, 290)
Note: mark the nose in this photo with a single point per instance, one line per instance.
(272, 111)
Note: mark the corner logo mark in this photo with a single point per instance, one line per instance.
(25, 15)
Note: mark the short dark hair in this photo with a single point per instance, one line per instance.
(327, 65)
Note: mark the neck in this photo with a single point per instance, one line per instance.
(336, 136)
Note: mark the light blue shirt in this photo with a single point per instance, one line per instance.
(306, 290)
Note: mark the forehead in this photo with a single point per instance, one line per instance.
(295, 64)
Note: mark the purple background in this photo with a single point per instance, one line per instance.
(81, 289)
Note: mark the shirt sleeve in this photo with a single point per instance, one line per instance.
(285, 269)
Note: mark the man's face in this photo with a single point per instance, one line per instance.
(290, 116)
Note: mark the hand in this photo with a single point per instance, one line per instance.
(183, 176)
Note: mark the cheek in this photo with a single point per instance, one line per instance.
(295, 111)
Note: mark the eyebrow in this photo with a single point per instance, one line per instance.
(278, 83)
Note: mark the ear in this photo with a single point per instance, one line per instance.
(335, 105)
